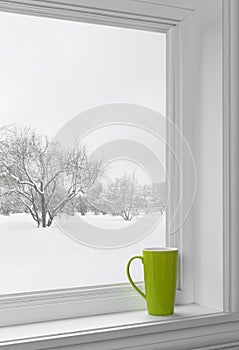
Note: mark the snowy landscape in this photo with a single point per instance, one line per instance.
(43, 179)
(107, 221)
(101, 185)
(34, 258)
(42, 184)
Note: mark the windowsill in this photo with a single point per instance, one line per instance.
(105, 327)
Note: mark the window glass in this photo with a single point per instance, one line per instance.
(83, 185)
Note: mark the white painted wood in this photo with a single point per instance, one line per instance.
(124, 13)
(230, 149)
(186, 4)
(207, 149)
(204, 331)
(185, 330)
(180, 169)
(83, 324)
(226, 156)
(73, 302)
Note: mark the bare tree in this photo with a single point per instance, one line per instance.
(159, 196)
(10, 204)
(81, 204)
(43, 175)
(95, 198)
(121, 197)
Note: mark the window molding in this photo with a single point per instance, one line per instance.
(230, 153)
(179, 111)
(174, 114)
(216, 331)
(209, 331)
(144, 15)
(71, 302)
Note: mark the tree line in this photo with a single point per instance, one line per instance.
(43, 179)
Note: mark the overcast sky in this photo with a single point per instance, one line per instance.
(52, 70)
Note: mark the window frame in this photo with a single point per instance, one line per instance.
(121, 297)
(146, 15)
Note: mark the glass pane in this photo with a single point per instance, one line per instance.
(82, 184)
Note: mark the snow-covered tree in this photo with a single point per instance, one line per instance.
(121, 196)
(95, 198)
(9, 204)
(159, 196)
(42, 175)
(81, 204)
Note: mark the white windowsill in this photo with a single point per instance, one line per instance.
(100, 327)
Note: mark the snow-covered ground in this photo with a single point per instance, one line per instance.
(34, 258)
(107, 221)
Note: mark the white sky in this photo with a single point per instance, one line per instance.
(52, 70)
(117, 167)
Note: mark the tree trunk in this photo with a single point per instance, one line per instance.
(125, 216)
(49, 222)
(43, 207)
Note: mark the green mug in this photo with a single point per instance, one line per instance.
(160, 277)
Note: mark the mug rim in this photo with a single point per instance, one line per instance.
(160, 249)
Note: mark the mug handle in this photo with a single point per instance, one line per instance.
(129, 277)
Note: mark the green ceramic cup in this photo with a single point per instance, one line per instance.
(160, 277)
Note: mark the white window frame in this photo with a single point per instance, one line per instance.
(121, 297)
(155, 16)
